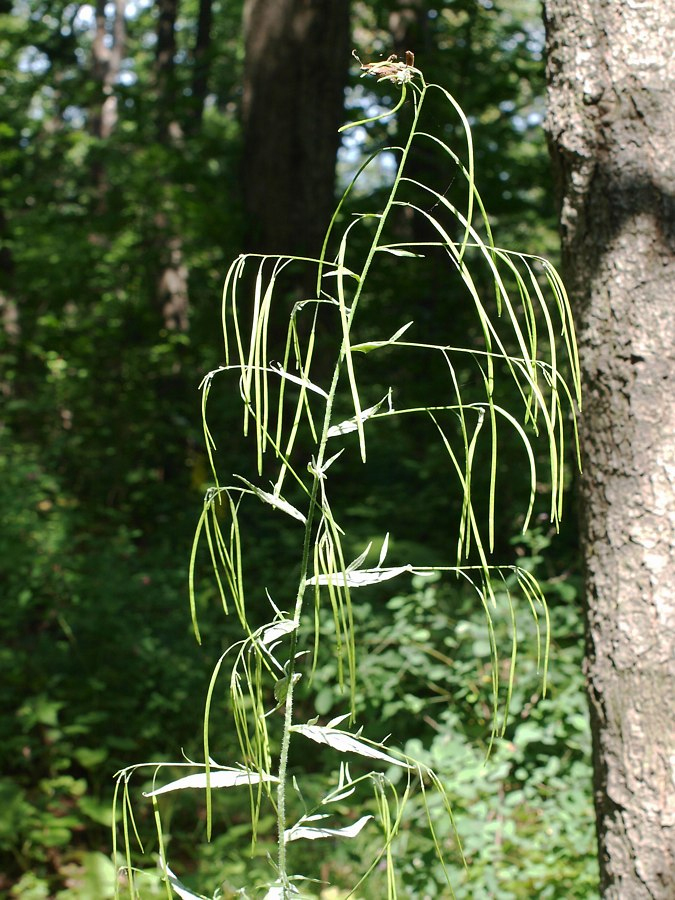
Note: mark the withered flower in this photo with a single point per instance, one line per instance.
(391, 69)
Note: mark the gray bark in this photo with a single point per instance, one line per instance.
(297, 58)
(611, 86)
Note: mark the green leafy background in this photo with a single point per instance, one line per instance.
(103, 469)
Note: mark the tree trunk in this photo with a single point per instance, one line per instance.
(165, 68)
(611, 85)
(202, 65)
(107, 52)
(106, 60)
(172, 282)
(407, 25)
(297, 56)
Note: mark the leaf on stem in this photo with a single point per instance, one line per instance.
(352, 424)
(278, 630)
(178, 887)
(340, 272)
(299, 831)
(398, 251)
(216, 778)
(274, 500)
(364, 577)
(346, 742)
(367, 346)
(278, 369)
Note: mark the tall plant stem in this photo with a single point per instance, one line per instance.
(290, 670)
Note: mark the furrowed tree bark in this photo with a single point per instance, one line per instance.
(611, 91)
(297, 57)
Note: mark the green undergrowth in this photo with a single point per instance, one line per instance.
(360, 695)
(329, 654)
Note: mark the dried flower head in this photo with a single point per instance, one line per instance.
(391, 69)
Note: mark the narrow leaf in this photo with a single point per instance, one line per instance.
(397, 251)
(297, 832)
(337, 720)
(274, 501)
(342, 740)
(367, 346)
(340, 272)
(179, 888)
(303, 382)
(353, 423)
(383, 551)
(218, 778)
(360, 558)
(278, 630)
(363, 577)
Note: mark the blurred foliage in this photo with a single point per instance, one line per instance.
(102, 465)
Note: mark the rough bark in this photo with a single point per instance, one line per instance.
(611, 84)
(297, 56)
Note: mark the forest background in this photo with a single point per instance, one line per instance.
(131, 171)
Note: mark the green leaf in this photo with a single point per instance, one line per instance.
(398, 251)
(353, 423)
(278, 630)
(364, 577)
(367, 346)
(274, 500)
(217, 778)
(301, 831)
(348, 743)
(183, 892)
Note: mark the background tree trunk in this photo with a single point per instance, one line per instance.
(165, 53)
(106, 62)
(172, 282)
(107, 52)
(611, 86)
(202, 65)
(297, 56)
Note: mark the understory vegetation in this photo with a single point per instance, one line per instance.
(105, 469)
(300, 670)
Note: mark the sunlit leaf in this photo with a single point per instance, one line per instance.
(299, 831)
(278, 630)
(346, 742)
(274, 501)
(353, 423)
(364, 577)
(303, 382)
(179, 888)
(398, 251)
(367, 346)
(217, 778)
